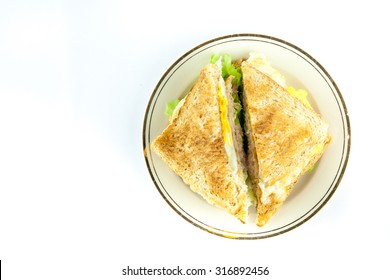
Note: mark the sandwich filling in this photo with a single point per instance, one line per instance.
(226, 128)
(231, 135)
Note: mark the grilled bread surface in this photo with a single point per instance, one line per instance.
(285, 139)
(192, 146)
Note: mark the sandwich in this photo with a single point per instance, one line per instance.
(203, 143)
(242, 137)
(285, 138)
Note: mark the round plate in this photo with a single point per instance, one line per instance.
(313, 189)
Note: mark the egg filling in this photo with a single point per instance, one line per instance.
(226, 128)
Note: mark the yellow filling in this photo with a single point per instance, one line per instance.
(301, 94)
(317, 149)
(226, 130)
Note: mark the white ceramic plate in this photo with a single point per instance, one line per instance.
(301, 71)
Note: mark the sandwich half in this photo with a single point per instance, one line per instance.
(285, 138)
(202, 144)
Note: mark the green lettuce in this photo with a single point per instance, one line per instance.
(214, 58)
(228, 69)
(170, 107)
(311, 169)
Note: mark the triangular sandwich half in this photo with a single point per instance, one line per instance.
(201, 146)
(285, 138)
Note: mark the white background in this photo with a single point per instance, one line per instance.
(76, 199)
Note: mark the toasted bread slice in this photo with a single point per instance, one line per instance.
(194, 146)
(285, 139)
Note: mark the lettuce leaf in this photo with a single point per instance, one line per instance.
(228, 69)
(214, 58)
(170, 107)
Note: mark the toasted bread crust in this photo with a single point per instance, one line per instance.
(286, 136)
(193, 147)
